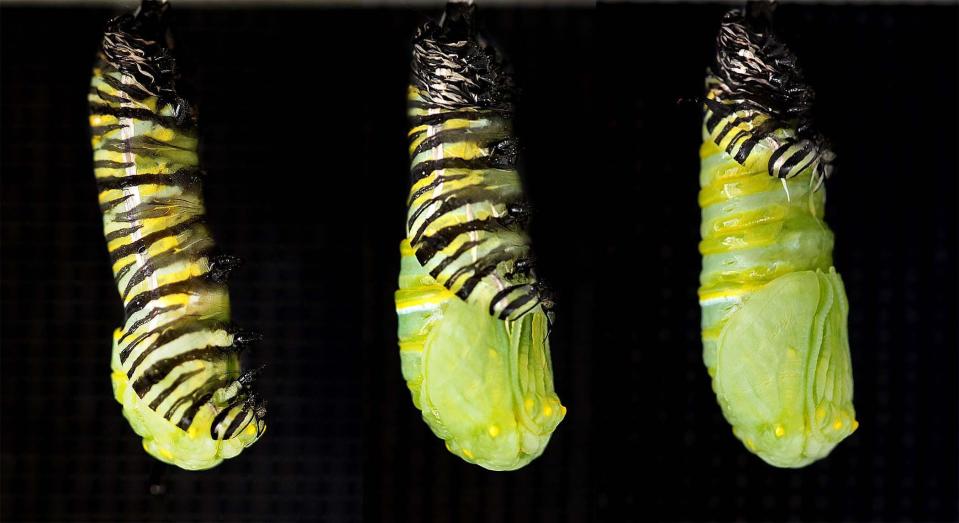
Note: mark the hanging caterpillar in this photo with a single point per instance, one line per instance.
(473, 318)
(175, 361)
(774, 309)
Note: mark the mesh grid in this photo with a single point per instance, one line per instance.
(302, 126)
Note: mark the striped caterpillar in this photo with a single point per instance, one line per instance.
(175, 361)
(473, 318)
(774, 309)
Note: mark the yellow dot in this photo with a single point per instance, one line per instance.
(251, 429)
(192, 431)
(166, 453)
(855, 425)
(837, 424)
(750, 444)
(467, 453)
(547, 410)
(528, 404)
(562, 410)
(820, 414)
(493, 431)
(780, 431)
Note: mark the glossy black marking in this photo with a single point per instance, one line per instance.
(481, 268)
(440, 179)
(449, 201)
(146, 241)
(172, 334)
(237, 422)
(185, 253)
(110, 164)
(465, 247)
(165, 393)
(145, 115)
(108, 206)
(160, 369)
(130, 329)
(183, 177)
(501, 295)
(438, 118)
(120, 233)
(191, 285)
(425, 168)
(430, 245)
(516, 304)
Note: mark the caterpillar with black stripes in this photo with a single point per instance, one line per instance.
(175, 366)
(774, 309)
(473, 318)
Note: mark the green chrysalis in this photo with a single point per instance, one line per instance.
(473, 319)
(774, 308)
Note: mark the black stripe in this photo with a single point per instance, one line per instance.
(170, 334)
(169, 390)
(140, 114)
(438, 118)
(481, 268)
(515, 304)
(453, 200)
(502, 294)
(120, 233)
(467, 245)
(423, 169)
(144, 242)
(160, 369)
(430, 245)
(237, 423)
(107, 206)
(185, 176)
(798, 156)
(130, 89)
(214, 434)
(140, 145)
(432, 185)
(123, 270)
(191, 285)
(108, 97)
(187, 419)
(110, 164)
(191, 252)
(98, 130)
(149, 316)
(482, 137)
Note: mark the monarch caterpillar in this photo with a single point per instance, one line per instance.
(175, 361)
(473, 318)
(774, 309)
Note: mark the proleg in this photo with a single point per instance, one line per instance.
(774, 308)
(175, 366)
(473, 318)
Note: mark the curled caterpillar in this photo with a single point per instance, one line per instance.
(473, 318)
(773, 307)
(175, 361)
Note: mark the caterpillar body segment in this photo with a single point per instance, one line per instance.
(175, 366)
(473, 318)
(774, 308)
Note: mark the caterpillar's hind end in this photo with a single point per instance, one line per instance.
(231, 414)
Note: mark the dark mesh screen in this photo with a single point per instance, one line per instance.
(303, 137)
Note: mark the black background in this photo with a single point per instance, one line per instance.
(303, 138)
